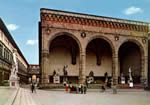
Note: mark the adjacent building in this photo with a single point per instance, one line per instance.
(88, 43)
(34, 73)
(7, 45)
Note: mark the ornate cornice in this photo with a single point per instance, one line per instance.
(89, 20)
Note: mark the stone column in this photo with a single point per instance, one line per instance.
(144, 69)
(44, 64)
(82, 65)
(115, 72)
(115, 68)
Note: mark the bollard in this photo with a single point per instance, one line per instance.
(114, 89)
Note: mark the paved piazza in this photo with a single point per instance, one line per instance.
(60, 97)
(5, 94)
(93, 97)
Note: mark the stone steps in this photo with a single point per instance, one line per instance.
(126, 86)
(93, 86)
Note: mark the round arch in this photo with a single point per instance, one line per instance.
(134, 53)
(101, 60)
(135, 42)
(63, 55)
(67, 34)
(104, 38)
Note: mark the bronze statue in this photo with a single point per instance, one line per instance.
(91, 74)
(64, 70)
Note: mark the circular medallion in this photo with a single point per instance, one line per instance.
(83, 34)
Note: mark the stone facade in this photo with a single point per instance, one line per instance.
(7, 45)
(109, 33)
(33, 70)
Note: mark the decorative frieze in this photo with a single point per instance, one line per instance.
(93, 22)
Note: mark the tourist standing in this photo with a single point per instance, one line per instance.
(82, 89)
(66, 87)
(86, 82)
(85, 89)
(79, 88)
(70, 86)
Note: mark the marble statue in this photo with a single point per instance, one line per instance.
(130, 75)
(130, 78)
(122, 79)
(14, 79)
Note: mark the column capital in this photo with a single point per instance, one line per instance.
(145, 57)
(45, 53)
(115, 55)
(82, 53)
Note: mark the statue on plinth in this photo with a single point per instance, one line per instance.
(91, 77)
(122, 79)
(14, 79)
(65, 72)
(54, 73)
(130, 78)
(56, 78)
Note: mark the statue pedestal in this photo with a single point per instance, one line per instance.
(56, 79)
(14, 81)
(90, 80)
(122, 80)
(131, 84)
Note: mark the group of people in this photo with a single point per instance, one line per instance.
(107, 83)
(81, 88)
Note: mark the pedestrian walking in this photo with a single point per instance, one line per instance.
(32, 87)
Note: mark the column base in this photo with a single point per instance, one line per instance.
(82, 80)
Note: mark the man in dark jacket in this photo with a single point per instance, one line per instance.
(32, 87)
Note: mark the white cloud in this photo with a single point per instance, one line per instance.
(132, 10)
(12, 27)
(32, 42)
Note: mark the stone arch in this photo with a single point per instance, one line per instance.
(67, 34)
(99, 68)
(135, 42)
(62, 55)
(104, 38)
(137, 54)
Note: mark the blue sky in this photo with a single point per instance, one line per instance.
(22, 16)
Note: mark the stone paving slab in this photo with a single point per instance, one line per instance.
(20, 96)
(5, 94)
(93, 97)
(24, 97)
